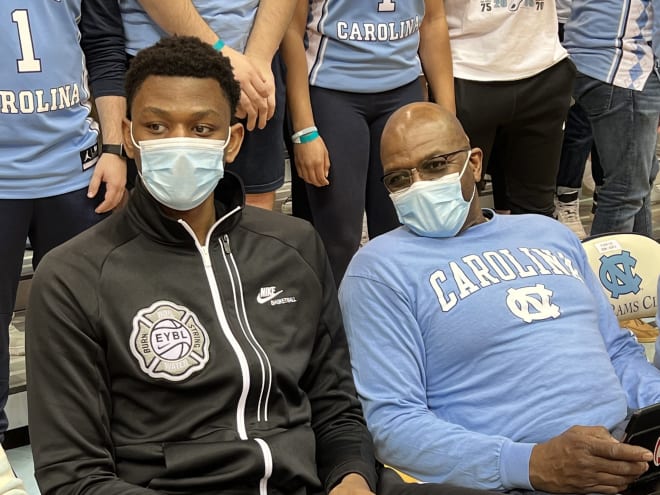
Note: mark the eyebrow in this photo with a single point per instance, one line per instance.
(197, 115)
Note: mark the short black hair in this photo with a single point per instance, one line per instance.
(182, 56)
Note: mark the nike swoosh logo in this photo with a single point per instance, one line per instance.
(262, 300)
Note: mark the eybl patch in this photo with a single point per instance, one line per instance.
(169, 342)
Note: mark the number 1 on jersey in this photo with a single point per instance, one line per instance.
(28, 63)
(386, 6)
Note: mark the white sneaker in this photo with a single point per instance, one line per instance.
(568, 213)
(16, 341)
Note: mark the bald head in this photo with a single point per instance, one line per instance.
(420, 127)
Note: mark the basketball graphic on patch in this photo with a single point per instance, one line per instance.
(656, 453)
(170, 339)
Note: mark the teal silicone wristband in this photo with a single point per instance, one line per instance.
(219, 45)
(306, 138)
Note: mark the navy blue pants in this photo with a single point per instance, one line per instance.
(351, 125)
(48, 222)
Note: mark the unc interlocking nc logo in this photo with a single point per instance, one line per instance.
(617, 275)
(532, 303)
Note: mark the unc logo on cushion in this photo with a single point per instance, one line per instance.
(532, 303)
(617, 275)
(169, 342)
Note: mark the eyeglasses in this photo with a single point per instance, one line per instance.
(433, 168)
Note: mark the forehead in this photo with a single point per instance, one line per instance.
(181, 95)
(408, 146)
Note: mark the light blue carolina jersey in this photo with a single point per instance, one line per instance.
(231, 20)
(469, 350)
(363, 46)
(610, 40)
(45, 128)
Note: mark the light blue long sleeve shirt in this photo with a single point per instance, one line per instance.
(468, 351)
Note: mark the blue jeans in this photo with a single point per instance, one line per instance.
(578, 143)
(624, 124)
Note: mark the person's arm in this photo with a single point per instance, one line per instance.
(182, 18)
(69, 399)
(272, 19)
(388, 358)
(435, 54)
(343, 444)
(102, 41)
(311, 159)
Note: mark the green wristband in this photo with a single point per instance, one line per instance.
(306, 138)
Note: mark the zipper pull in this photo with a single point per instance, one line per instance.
(206, 257)
(225, 244)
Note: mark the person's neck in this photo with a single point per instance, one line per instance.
(200, 219)
(475, 215)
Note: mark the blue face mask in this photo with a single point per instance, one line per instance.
(181, 172)
(434, 208)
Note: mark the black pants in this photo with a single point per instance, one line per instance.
(351, 125)
(519, 127)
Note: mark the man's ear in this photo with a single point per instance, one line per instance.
(476, 160)
(234, 146)
(128, 142)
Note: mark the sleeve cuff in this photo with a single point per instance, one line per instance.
(514, 465)
(365, 470)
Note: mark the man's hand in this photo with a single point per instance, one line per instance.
(352, 484)
(312, 162)
(586, 459)
(110, 169)
(257, 102)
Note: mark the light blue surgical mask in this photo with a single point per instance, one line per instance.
(434, 208)
(181, 172)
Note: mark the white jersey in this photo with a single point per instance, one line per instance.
(503, 40)
(363, 46)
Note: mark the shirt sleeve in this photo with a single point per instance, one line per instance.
(102, 41)
(344, 444)
(389, 366)
(69, 400)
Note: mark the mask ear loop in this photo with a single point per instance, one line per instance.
(226, 143)
(467, 160)
(133, 139)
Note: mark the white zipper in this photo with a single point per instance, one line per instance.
(249, 335)
(224, 324)
(268, 466)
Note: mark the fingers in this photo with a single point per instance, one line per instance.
(111, 170)
(113, 197)
(312, 162)
(586, 460)
(94, 183)
(249, 111)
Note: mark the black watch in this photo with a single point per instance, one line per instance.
(115, 149)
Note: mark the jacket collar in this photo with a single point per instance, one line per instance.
(145, 212)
